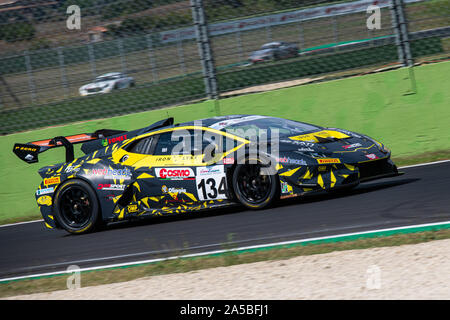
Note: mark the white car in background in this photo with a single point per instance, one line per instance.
(107, 83)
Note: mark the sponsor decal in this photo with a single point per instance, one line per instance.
(175, 173)
(371, 156)
(284, 187)
(299, 162)
(44, 201)
(45, 191)
(107, 141)
(71, 169)
(112, 173)
(165, 158)
(299, 143)
(317, 136)
(328, 161)
(350, 146)
(164, 189)
(26, 149)
(54, 180)
(228, 160)
(322, 168)
(305, 150)
(133, 208)
(108, 186)
(29, 157)
(206, 171)
(211, 183)
(289, 196)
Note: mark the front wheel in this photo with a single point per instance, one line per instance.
(252, 188)
(76, 207)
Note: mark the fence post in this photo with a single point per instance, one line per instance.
(301, 36)
(30, 77)
(123, 62)
(151, 55)
(206, 54)
(335, 33)
(92, 60)
(269, 33)
(62, 70)
(239, 43)
(181, 54)
(400, 27)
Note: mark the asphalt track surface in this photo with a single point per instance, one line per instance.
(419, 196)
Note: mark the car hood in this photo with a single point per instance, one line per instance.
(333, 143)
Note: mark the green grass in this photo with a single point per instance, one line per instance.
(122, 274)
(413, 126)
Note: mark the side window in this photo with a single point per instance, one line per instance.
(142, 146)
(165, 144)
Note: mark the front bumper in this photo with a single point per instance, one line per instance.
(307, 179)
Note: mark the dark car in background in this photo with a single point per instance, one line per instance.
(274, 51)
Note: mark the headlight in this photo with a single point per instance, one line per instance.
(380, 146)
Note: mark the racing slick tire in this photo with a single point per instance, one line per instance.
(76, 207)
(253, 189)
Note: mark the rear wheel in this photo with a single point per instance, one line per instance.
(76, 207)
(252, 188)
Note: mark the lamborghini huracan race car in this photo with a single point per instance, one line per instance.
(169, 168)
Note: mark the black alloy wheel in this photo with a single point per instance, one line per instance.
(76, 207)
(252, 188)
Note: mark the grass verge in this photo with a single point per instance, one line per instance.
(99, 277)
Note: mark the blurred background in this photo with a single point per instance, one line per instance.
(136, 55)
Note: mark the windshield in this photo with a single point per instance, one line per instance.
(270, 46)
(100, 79)
(258, 125)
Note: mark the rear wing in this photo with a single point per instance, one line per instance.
(29, 152)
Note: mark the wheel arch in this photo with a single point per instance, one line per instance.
(84, 179)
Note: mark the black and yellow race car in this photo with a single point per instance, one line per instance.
(169, 168)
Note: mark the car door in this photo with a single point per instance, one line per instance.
(179, 165)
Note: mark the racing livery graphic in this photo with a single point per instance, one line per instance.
(168, 168)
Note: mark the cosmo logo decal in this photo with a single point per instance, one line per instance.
(175, 173)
